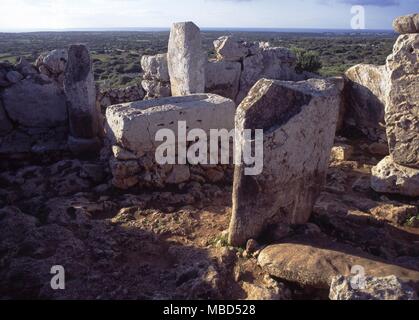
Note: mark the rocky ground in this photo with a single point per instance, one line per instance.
(172, 244)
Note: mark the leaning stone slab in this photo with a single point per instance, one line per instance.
(402, 110)
(134, 125)
(365, 99)
(186, 59)
(390, 177)
(317, 264)
(80, 89)
(36, 102)
(407, 24)
(299, 122)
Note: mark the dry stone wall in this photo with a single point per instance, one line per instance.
(131, 133)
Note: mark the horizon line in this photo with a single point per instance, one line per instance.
(167, 29)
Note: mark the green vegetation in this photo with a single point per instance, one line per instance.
(307, 60)
(116, 55)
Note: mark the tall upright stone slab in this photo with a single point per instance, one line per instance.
(399, 173)
(402, 110)
(299, 122)
(186, 59)
(80, 90)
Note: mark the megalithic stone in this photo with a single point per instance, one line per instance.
(80, 90)
(186, 59)
(402, 109)
(299, 122)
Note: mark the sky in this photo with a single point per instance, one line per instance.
(86, 14)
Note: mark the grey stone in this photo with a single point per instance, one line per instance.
(223, 78)
(81, 94)
(5, 125)
(365, 98)
(299, 122)
(34, 103)
(390, 177)
(272, 63)
(407, 24)
(186, 59)
(371, 288)
(402, 110)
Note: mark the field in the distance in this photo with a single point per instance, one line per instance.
(117, 54)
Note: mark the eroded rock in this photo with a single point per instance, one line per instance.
(35, 103)
(186, 59)
(299, 122)
(223, 78)
(81, 97)
(371, 288)
(402, 110)
(390, 177)
(317, 265)
(407, 24)
(366, 95)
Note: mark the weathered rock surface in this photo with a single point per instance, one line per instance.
(156, 89)
(35, 103)
(155, 67)
(299, 122)
(402, 110)
(228, 49)
(108, 97)
(366, 94)
(54, 61)
(81, 97)
(407, 24)
(270, 62)
(5, 125)
(388, 288)
(390, 177)
(14, 76)
(186, 59)
(223, 78)
(133, 126)
(318, 263)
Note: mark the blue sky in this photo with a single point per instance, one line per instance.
(64, 14)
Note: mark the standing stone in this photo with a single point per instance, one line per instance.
(223, 78)
(299, 122)
(407, 24)
(186, 59)
(365, 98)
(5, 124)
(402, 110)
(81, 99)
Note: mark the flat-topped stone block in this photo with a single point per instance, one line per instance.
(134, 125)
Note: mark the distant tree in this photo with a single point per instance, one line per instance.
(307, 60)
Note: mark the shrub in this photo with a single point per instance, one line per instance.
(307, 60)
